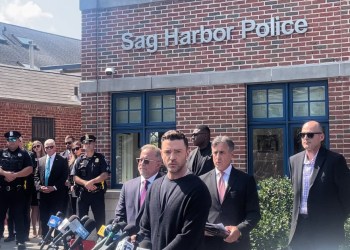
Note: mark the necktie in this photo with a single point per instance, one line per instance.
(221, 186)
(47, 172)
(143, 192)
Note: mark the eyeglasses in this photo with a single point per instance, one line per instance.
(68, 143)
(11, 139)
(75, 149)
(49, 147)
(36, 146)
(145, 161)
(309, 135)
(195, 134)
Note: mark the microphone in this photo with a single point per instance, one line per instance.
(144, 245)
(53, 222)
(115, 229)
(62, 228)
(124, 242)
(83, 232)
(74, 223)
(112, 231)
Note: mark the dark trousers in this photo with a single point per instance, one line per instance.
(15, 201)
(97, 203)
(304, 237)
(10, 223)
(28, 201)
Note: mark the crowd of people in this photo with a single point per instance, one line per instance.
(174, 210)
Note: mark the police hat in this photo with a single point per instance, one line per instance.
(12, 134)
(87, 138)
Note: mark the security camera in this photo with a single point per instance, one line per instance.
(109, 71)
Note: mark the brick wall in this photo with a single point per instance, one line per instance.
(327, 39)
(214, 107)
(339, 115)
(16, 115)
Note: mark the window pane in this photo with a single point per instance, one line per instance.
(155, 102)
(127, 151)
(135, 102)
(259, 111)
(135, 116)
(275, 110)
(122, 117)
(268, 153)
(300, 94)
(317, 93)
(168, 115)
(155, 116)
(259, 96)
(300, 109)
(275, 95)
(122, 103)
(317, 109)
(168, 101)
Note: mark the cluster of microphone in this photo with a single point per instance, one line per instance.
(72, 232)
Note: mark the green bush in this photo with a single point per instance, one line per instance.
(276, 203)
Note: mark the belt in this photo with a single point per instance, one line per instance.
(98, 189)
(11, 188)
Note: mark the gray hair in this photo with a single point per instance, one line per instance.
(224, 139)
(50, 141)
(153, 148)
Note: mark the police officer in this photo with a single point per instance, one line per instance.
(90, 171)
(15, 165)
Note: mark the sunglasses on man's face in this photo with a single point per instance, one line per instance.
(36, 146)
(145, 161)
(75, 149)
(68, 143)
(11, 139)
(49, 147)
(309, 135)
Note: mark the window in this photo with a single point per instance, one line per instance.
(43, 128)
(276, 113)
(138, 119)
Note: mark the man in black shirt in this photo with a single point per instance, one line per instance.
(200, 160)
(15, 165)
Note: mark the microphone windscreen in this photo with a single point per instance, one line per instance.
(60, 214)
(73, 217)
(90, 225)
(130, 229)
(84, 219)
(145, 244)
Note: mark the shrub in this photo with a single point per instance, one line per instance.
(276, 204)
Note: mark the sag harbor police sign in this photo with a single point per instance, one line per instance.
(274, 27)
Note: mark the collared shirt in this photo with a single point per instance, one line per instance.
(308, 167)
(226, 176)
(150, 180)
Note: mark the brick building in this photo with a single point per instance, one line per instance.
(252, 70)
(40, 75)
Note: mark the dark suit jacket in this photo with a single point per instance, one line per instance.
(329, 196)
(58, 176)
(128, 208)
(240, 208)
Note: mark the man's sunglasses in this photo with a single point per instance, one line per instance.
(75, 149)
(68, 143)
(49, 147)
(36, 146)
(309, 135)
(11, 139)
(145, 161)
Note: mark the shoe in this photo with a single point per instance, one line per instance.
(21, 246)
(9, 239)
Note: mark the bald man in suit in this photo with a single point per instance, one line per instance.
(130, 204)
(321, 185)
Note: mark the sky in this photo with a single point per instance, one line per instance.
(61, 17)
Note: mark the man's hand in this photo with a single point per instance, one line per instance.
(9, 176)
(89, 185)
(46, 189)
(234, 234)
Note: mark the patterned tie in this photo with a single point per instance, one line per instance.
(221, 186)
(143, 192)
(47, 171)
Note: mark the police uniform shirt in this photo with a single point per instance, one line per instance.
(14, 161)
(89, 168)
